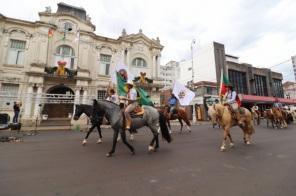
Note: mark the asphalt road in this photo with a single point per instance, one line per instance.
(55, 163)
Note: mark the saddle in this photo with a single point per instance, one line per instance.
(138, 112)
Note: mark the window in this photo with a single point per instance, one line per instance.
(101, 94)
(65, 53)
(16, 52)
(68, 26)
(260, 85)
(278, 88)
(139, 62)
(10, 92)
(238, 80)
(105, 61)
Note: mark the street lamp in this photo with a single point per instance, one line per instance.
(192, 68)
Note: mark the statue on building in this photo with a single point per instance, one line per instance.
(143, 79)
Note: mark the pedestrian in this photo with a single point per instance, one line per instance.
(111, 96)
(16, 109)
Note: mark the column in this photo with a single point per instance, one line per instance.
(153, 67)
(193, 114)
(28, 103)
(37, 108)
(157, 67)
(84, 98)
(77, 94)
(128, 59)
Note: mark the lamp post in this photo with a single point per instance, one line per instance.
(192, 65)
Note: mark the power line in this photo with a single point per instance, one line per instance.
(279, 63)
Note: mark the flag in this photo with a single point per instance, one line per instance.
(223, 83)
(121, 90)
(77, 38)
(183, 94)
(50, 33)
(144, 97)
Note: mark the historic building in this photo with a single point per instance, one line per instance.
(57, 61)
(170, 72)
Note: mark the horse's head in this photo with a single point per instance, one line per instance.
(78, 112)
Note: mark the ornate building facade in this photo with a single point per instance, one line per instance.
(60, 59)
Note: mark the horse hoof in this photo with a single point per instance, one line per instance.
(248, 142)
(150, 148)
(222, 149)
(99, 141)
(108, 155)
(84, 142)
(132, 137)
(133, 153)
(231, 145)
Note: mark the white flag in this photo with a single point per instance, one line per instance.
(183, 94)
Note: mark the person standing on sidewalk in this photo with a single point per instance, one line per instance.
(16, 109)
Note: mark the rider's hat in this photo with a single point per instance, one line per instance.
(130, 82)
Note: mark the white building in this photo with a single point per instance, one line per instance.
(29, 52)
(170, 73)
(206, 64)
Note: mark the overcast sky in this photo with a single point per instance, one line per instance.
(260, 32)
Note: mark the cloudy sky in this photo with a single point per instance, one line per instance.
(260, 32)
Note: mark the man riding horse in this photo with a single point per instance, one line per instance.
(232, 102)
(172, 105)
(131, 98)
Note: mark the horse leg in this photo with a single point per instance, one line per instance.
(231, 141)
(180, 120)
(100, 134)
(87, 135)
(225, 133)
(123, 137)
(154, 131)
(115, 135)
(169, 126)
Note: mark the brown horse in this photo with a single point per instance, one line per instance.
(226, 121)
(268, 115)
(256, 115)
(180, 114)
(279, 118)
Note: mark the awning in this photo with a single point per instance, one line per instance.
(264, 99)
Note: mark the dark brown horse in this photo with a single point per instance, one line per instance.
(179, 114)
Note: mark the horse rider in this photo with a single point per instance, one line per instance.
(231, 101)
(132, 103)
(277, 104)
(172, 104)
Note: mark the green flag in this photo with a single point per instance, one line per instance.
(121, 91)
(144, 97)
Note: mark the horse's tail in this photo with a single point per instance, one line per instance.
(163, 128)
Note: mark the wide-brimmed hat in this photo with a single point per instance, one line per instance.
(129, 82)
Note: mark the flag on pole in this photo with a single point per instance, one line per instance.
(77, 38)
(144, 97)
(183, 94)
(223, 83)
(50, 33)
(121, 90)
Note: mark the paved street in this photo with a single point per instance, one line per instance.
(55, 163)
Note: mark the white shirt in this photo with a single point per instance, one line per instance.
(231, 97)
(132, 95)
(112, 98)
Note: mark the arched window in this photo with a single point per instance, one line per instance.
(65, 50)
(65, 53)
(139, 62)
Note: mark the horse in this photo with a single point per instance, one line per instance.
(279, 118)
(213, 116)
(268, 115)
(179, 114)
(88, 110)
(256, 115)
(151, 118)
(225, 119)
